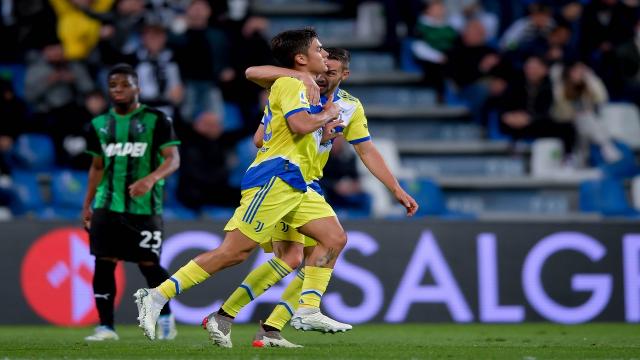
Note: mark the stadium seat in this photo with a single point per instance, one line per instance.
(407, 61)
(493, 128)
(217, 212)
(622, 120)
(170, 190)
(428, 194)
(28, 197)
(34, 152)
(605, 196)
(177, 212)
(68, 188)
(232, 117)
(623, 168)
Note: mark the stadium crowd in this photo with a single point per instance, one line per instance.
(533, 68)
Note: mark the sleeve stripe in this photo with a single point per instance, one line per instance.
(357, 141)
(286, 116)
(174, 142)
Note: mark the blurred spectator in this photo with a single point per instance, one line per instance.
(160, 82)
(605, 25)
(435, 36)
(202, 54)
(472, 10)
(470, 61)
(25, 25)
(168, 13)
(341, 182)
(555, 47)
(628, 63)
(78, 32)
(55, 86)
(12, 123)
(577, 94)
(205, 152)
(71, 145)
(525, 107)
(120, 30)
(538, 23)
(249, 47)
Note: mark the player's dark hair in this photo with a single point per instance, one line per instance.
(286, 45)
(124, 69)
(339, 54)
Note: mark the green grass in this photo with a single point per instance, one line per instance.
(418, 341)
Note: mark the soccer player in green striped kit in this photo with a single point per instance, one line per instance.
(134, 148)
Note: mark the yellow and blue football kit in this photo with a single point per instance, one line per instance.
(274, 188)
(355, 130)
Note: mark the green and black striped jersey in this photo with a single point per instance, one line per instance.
(131, 146)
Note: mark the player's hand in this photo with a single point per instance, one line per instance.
(313, 90)
(141, 186)
(86, 217)
(407, 201)
(331, 130)
(331, 109)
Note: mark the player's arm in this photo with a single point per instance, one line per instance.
(170, 164)
(303, 122)
(265, 75)
(372, 159)
(258, 136)
(95, 176)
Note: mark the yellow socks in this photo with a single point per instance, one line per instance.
(315, 283)
(288, 303)
(188, 276)
(256, 283)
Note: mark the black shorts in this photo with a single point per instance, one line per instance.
(127, 237)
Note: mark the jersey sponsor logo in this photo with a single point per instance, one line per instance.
(135, 149)
(56, 277)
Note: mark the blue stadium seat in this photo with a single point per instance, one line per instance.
(170, 190)
(407, 61)
(605, 196)
(28, 197)
(68, 188)
(217, 212)
(232, 117)
(177, 212)
(493, 128)
(428, 194)
(34, 152)
(626, 167)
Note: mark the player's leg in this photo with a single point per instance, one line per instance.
(259, 211)
(104, 292)
(235, 248)
(288, 256)
(269, 333)
(319, 222)
(155, 274)
(103, 238)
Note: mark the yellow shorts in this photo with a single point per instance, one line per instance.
(284, 232)
(262, 208)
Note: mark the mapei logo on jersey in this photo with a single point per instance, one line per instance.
(135, 149)
(56, 277)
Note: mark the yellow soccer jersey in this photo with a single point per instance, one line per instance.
(355, 131)
(283, 154)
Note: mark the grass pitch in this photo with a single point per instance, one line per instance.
(416, 341)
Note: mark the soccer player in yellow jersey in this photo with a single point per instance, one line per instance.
(274, 188)
(286, 241)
